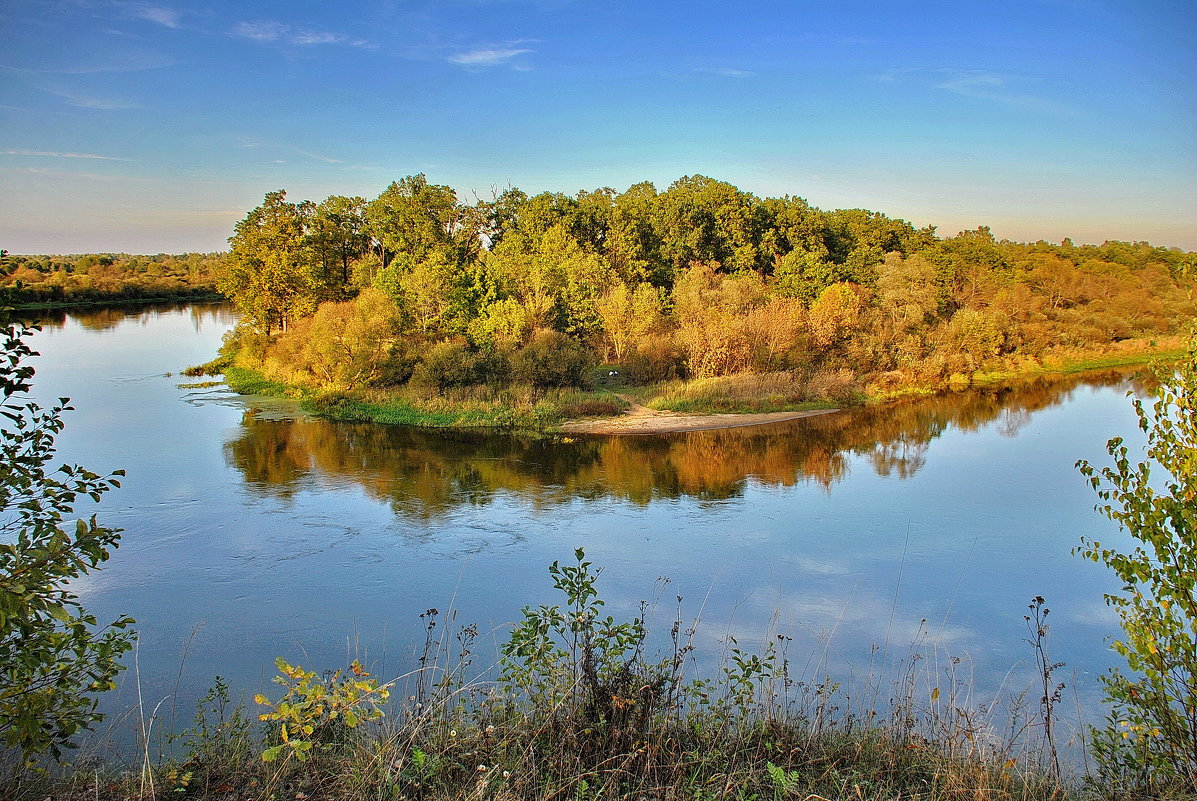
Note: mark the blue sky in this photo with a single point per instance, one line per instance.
(154, 126)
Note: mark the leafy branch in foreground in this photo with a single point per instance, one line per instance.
(1150, 742)
(53, 655)
(315, 709)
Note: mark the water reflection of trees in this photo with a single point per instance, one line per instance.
(103, 318)
(425, 475)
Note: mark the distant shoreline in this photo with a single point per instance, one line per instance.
(116, 302)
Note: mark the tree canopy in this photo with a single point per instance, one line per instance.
(700, 279)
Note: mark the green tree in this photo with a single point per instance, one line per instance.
(701, 219)
(804, 275)
(414, 217)
(502, 323)
(338, 237)
(53, 655)
(632, 243)
(907, 291)
(1150, 742)
(269, 274)
(629, 317)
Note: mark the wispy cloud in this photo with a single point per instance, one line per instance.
(979, 84)
(53, 173)
(975, 84)
(158, 14)
(305, 153)
(726, 72)
(896, 74)
(83, 100)
(313, 156)
(260, 31)
(271, 31)
(318, 37)
(488, 56)
(58, 155)
(125, 62)
(986, 85)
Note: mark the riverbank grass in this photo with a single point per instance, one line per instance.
(523, 407)
(1067, 363)
(755, 393)
(513, 407)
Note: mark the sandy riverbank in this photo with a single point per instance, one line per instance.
(643, 420)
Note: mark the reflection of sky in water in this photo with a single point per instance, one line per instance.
(249, 537)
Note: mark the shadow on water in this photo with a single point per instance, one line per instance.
(425, 475)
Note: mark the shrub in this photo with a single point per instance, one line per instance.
(456, 364)
(576, 405)
(53, 655)
(587, 673)
(316, 709)
(1150, 740)
(552, 359)
(350, 344)
(653, 361)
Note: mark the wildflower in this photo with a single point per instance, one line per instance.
(490, 729)
(482, 768)
(452, 732)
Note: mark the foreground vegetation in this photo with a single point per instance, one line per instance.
(578, 709)
(390, 303)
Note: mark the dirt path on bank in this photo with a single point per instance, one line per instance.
(643, 420)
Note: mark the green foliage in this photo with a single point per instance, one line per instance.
(576, 663)
(316, 710)
(456, 364)
(552, 359)
(54, 656)
(278, 269)
(250, 382)
(702, 279)
(109, 278)
(338, 238)
(413, 217)
(785, 782)
(803, 275)
(1150, 741)
(221, 737)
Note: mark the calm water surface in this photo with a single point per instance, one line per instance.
(252, 533)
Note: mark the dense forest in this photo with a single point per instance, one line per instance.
(106, 277)
(416, 288)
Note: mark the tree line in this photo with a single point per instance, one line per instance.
(103, 277)
(699, 280)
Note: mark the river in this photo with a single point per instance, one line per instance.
(869, 537)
